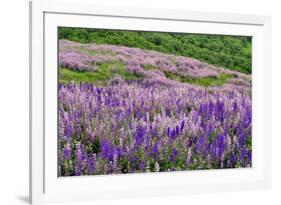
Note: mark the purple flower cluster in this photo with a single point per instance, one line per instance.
(145, 127)
(151, 64)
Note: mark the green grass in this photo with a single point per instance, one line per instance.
(148, 67)
(96, 52)
(105, 72)
(205, 81)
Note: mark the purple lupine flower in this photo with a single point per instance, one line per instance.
(221, 150)
(139, 135)
(177, 131)
(201, 143)
(182, 125)
(168, 131)
(91, 164)
(67, 153)
(155, 149)
(250, 155)
(232, 158)
(173, 134)
(78, 131)
(153, 131)
(243, 153)
(174, 155)
(247, 121)
(107, 150)
(242, 139)
(68, 131)
(83, 153)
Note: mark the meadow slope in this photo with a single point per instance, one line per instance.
(129, 110)
(232, 52)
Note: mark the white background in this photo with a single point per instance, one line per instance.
(14, 100)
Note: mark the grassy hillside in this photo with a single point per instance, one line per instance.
(109, 64)
(231, 52)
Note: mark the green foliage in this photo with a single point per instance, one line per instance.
(249, 143)
(96, 147)
(148, 67)
(124, 165)
(165, 165)
(105, 72)
(233, 52)
(205, 81)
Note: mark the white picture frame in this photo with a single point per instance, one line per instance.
(46, 187)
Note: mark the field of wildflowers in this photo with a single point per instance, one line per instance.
(128, 110)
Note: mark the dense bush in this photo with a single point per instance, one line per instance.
(233, 52)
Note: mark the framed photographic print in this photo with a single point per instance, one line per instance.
(129, 102)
